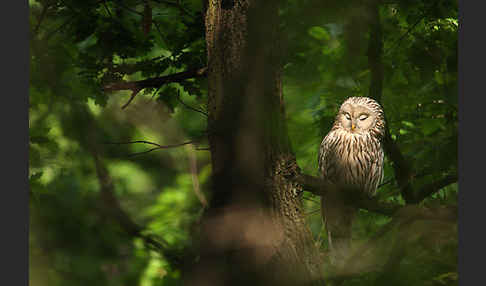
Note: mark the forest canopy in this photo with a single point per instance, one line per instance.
(124, 161)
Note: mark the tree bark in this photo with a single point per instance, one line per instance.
(254, 230)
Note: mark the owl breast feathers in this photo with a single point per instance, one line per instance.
(351, 154)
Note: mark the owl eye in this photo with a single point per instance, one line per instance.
(348, 117)
(363, 116)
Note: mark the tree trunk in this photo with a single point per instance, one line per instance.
(254, 230)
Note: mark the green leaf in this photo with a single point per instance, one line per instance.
(408, 124)
(431, 126)
(319, 33)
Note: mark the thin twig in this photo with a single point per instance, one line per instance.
(386, 182)
(106, 8)
(144, 152)
(397, 42)
(41, 17)
(134, 93)
(190, 107)
(133, 142)
(151, 143)
(161, 147)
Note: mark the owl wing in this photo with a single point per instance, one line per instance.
(378, 169)
(326, 157)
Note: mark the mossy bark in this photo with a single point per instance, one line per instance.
(254, 230)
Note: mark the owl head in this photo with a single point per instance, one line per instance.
(361, 115)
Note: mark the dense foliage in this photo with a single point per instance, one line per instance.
(105, 212)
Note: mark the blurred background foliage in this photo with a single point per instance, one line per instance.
(78, 46)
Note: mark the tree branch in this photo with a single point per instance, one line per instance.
(434, 187)
(87, 137)
(402, 221)
(321, 187)
(161, 147)
(401, 167)
(41, 17)
(114, 209)
(110, 201)
(111, 205)
(152, 143)
(137, 86)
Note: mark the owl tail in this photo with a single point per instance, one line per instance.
(338, 218)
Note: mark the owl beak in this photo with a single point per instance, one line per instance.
(353, 126)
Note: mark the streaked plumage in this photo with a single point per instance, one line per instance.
(351, 155)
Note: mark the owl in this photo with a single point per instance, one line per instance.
(350, 156)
